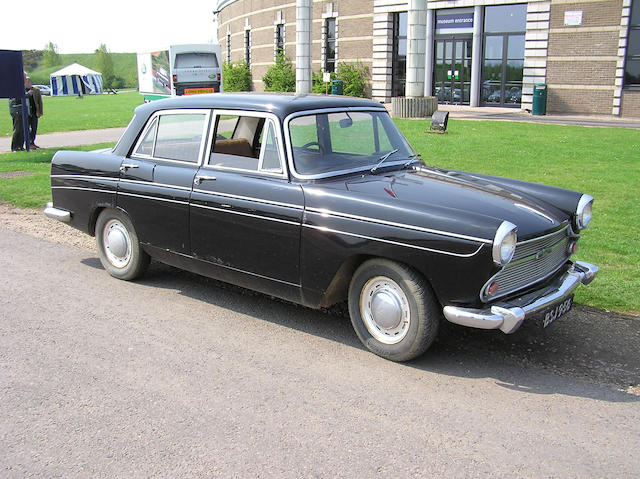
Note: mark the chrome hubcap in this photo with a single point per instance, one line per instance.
(385, 310)
(116, 243)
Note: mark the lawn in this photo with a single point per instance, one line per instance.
(86, 113)
(603, 162)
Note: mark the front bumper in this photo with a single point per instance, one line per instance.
(508, 316)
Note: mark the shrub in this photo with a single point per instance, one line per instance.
(280, 76)
(236, 76)
(354, 78)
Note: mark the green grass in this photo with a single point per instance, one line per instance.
(124, 66)
(602, 162)
(31, 191)
(86, 113)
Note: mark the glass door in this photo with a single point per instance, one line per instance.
(452, 70)
(502, 69)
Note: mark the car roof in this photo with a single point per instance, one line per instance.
(281, 104)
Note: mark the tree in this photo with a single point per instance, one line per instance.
(104, 64)
(280, 76)
(31, 59)
(50, 56)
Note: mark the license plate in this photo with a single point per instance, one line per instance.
(557, 311)
(198, 91)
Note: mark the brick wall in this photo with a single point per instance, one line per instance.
(631, 103)
(577, 100)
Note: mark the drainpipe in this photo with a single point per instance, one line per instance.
(430, 54)
(476, 56)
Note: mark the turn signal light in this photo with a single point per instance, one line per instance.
(218, 76)
(572, 247)
(493, 288)
(175, 78)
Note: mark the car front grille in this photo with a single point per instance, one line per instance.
(533, 261)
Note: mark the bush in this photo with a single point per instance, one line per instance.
(280, 76)
(354, 78)
(236, 76)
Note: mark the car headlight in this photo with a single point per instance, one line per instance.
(584, 211)
(504, 243)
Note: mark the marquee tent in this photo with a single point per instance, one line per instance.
(75, 80)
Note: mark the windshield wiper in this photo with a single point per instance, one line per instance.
(383, 159)
(413, 159)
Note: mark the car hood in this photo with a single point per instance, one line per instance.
(424, 189)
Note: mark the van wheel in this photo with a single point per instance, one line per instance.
(393, 310)
(118, 246)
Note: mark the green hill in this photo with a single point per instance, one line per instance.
(124, 66)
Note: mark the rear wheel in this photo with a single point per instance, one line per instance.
(393, 310)
(118, 246)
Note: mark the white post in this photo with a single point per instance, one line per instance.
(304, 17)
(430, 54)
(476, 56)
(416, 43)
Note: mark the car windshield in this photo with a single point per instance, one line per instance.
(329, 143)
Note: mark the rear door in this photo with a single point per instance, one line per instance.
(156, 180)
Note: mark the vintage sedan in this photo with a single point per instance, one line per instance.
(320, 200)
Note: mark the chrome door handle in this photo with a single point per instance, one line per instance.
(200, 178)
(126, 166)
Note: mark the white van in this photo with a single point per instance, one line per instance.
(195, 69)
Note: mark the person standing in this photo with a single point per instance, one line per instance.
(15, 109)
(35, 102)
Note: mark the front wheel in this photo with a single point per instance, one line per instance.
(118, 246)
(393, 310)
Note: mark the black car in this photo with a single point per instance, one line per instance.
(319, 200)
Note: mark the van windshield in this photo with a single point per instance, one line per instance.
(196, 60)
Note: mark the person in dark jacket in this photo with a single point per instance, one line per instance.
(36, 111)
(15, 109)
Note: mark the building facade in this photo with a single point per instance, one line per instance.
(469, 52)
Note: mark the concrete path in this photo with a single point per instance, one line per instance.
(69, 138)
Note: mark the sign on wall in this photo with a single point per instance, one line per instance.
(454, 20)
(573, 18)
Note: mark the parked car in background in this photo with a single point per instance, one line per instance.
(44, 89)
(320, 200)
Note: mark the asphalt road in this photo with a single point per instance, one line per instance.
(179, 376)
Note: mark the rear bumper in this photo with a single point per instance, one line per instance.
(508, 316)
(57, 213)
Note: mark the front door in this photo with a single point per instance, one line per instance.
(452, 70)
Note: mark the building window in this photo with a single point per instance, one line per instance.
(399, 65)
(330, 45)
(247, 46)
(279, 39)
(228, 46)
(632, 64)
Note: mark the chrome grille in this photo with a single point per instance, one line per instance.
(526, 268)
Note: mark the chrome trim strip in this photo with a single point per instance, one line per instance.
(323, 211)
(508, 318)
(83, 189)
(57, 213)
(237, 269)
(538, 238)
(87, 177)
(241, 213)
(123, 180)
(422, 248)
(248, 198)
(153, 198)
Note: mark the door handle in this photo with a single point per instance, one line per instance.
(200, 178)
(126, 166)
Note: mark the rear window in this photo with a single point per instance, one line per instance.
(174, 137)
(196, 60)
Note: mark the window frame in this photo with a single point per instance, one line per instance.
(327, 40)
(279, 39)
(635, 5)
(247, 46)
(156, 117)
(216, 113)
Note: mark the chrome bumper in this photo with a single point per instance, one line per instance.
(57, 214)
(508, 316)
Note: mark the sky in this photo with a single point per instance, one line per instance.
(80, 27)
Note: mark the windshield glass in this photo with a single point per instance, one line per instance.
(337, 142)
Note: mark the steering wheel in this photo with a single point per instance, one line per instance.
(311, 143)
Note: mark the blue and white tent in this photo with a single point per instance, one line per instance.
(75, 80)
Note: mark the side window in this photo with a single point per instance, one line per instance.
(246, 143)
(179, 136)
(145, 147)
